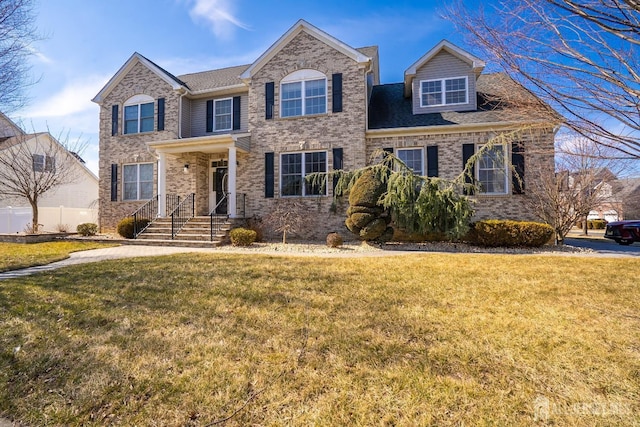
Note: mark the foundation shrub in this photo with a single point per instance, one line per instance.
(506, 233)
(87, 229)
(242, 236)
(125, 227)
(334, 240)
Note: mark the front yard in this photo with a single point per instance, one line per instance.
(14, 256)
(422, 339)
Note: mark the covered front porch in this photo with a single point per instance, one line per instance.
(205, 167)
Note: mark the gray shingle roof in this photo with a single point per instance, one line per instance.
(388, 108)
(214, 79)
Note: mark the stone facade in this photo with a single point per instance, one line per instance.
(183, 141)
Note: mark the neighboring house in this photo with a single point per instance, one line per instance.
(68, 205)
(309, 104)
(620, 200)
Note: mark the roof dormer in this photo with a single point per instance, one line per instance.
(444, 79)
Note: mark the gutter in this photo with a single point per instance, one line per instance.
(455, 128)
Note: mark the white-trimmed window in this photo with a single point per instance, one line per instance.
(138, 181)
(294, 168)
(223, 114)
(443, 92)
(42, 163)
(492, 170)
(413, 158)
(302, 93)
(138, 114)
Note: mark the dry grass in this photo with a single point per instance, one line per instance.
(425, 339)
(19, 255)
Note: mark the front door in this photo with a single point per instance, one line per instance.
(220, 188)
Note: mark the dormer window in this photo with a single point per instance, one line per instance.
(439, 92)
(302, 93)
(138, 114)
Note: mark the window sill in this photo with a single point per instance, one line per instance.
(303, 117)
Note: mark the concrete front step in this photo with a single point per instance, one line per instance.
(196, 230)
(180, 243)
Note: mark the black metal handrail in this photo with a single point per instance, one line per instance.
(144, 216)
(217, 221)
(173, 200)
(182, 213)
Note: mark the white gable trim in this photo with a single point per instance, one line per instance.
(476, 63)
(128, 66)
(299, 27)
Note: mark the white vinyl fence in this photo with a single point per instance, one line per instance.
(15, 220)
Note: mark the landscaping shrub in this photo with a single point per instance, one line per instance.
(506, 233)
(365, 217)
(256, 224)
(87, 229)
(125, 227)
(597, 224)
(334, 240)
(242, 237)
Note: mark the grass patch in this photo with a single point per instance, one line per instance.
(425, 339)
(14, 256)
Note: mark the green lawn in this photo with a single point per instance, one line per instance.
(19, 255)
(412, 340)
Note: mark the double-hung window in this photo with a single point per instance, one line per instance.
(139, 114)
(138, 181)
(492, 170)
(295, 167)
(223, 119)
(42, 163)
(443, 92)
(413, 158)
(302, 93)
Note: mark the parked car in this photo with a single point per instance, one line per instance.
(623, 232)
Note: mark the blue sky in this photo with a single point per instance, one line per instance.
(86, 42)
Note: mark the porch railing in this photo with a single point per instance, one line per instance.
(217, 220)
(144, 215)
(182, 213)
(173, 200)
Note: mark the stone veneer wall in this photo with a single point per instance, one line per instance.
(538, 159)
(344, 130)
(122, 149)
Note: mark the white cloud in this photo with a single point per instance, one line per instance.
(73, 98)
(217, 13)
(39, 55)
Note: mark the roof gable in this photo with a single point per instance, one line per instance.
(136, 58)
(303, 26)
(475, 63)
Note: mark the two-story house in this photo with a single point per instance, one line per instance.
(240, 138)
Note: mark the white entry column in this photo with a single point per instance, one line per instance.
(232, 182)
(162, 184)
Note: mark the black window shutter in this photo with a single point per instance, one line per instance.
(268, 175)
(160, 113)
(114, 120)
(467, 152)
(336, 92)
(517, 161)
(432, 161)
(210, 115)
(388, 150)
(269, 99)
(337, 164)
(114, 182)
(236, 112)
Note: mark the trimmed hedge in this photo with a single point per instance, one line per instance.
(506, 233)
(242, 236)
(87, 229)
(334, 240)
(125, 227)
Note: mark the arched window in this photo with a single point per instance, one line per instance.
(138, 114)
(302, 93)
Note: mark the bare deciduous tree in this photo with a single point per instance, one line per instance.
(17, 33)
(287, 217)
(567, 196)
(581, 58)
(32, 165)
